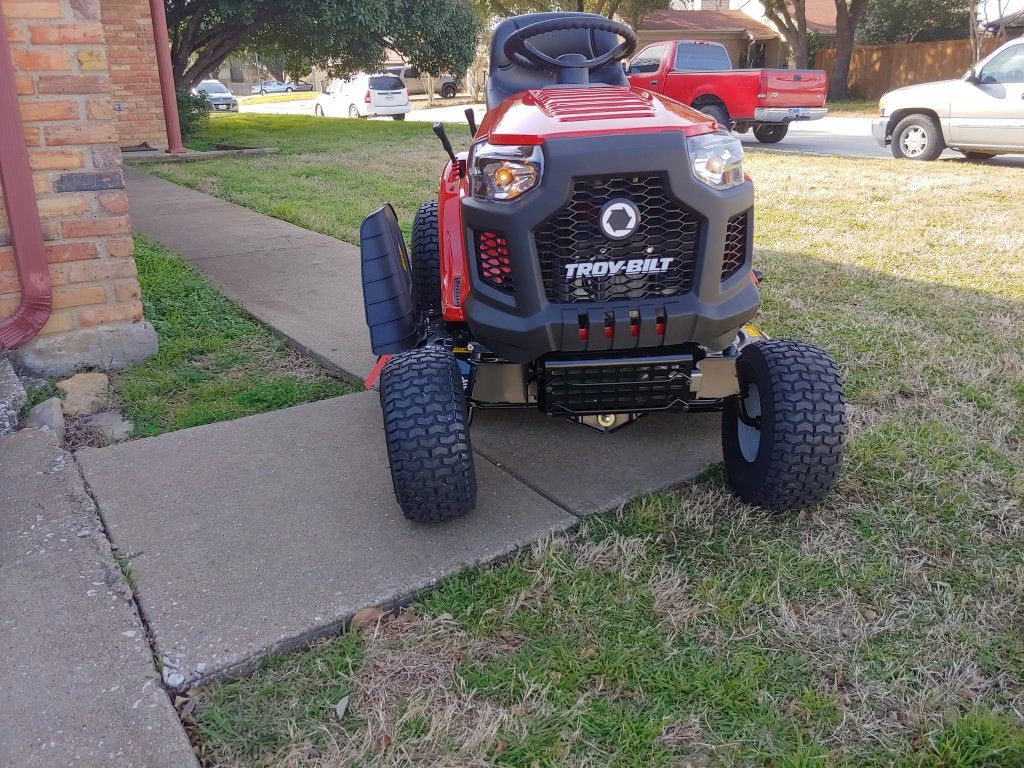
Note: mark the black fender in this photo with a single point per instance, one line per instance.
(387, 283)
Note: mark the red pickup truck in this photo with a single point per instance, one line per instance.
(699, 73)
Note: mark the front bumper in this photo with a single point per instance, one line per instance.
(880, 130)
(523, 325)
(788, 114)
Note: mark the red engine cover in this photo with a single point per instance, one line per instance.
(549, 113)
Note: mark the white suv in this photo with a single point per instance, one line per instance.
(980, 115)
(364, 96)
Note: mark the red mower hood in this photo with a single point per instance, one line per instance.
(531, 117)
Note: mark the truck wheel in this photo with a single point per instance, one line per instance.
(427, 435)
(917, 137)
(448, 91)
(782, 438)
(771, 133)
(426, 260)
(719, 113)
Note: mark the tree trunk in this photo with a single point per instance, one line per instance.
(801, 56)
(975, 23)
(790, 18)
(848, 16)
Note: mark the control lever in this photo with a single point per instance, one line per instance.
(442, 136)
(471, 119)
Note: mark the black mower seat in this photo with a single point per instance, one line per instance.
(506, 78)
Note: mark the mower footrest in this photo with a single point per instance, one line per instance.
(617, 384)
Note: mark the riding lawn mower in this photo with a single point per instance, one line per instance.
(590, 256)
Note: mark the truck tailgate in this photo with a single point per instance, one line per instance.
(792, 88)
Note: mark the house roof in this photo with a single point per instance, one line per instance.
(1009, 21)
(821, 16)
(707, 22)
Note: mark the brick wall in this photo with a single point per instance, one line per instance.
(133, 73)
(64, 99)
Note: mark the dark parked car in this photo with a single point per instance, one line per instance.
(220, 98)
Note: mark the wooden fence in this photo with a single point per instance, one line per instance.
(876, 69)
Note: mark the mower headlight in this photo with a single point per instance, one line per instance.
(503, 173)
(716, 159)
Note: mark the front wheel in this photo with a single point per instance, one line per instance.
(448, 91)
(917, 137)
(426, 260)
(289, 90)
(771, 133)
(782, 437)
(427, 435)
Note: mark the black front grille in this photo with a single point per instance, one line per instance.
(666, 230)
(617, 385)
(735, 245)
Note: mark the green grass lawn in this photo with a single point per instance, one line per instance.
(335, 171)
(214, 363)
(853, 108)
(885, 627)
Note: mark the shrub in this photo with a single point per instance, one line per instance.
(193, 112)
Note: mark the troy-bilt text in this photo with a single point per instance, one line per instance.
(623, 266)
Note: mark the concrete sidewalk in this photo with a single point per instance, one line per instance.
(305, 285)
(260, 534)
(77, 681)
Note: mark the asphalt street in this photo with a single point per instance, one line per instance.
(839, 136)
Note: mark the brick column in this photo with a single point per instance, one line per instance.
(135, 82)
(59, 52)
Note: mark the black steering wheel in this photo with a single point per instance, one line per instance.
(520, 52)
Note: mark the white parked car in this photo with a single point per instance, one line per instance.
(364, 96)
(980, 115)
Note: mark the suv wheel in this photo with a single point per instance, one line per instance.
(427, 435)
(771, 133)
(426, 260)
(448, 91)
(782, 438)
(353, 111)
(917, 137)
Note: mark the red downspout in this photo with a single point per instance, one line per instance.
(22, 212)
(163, 65)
